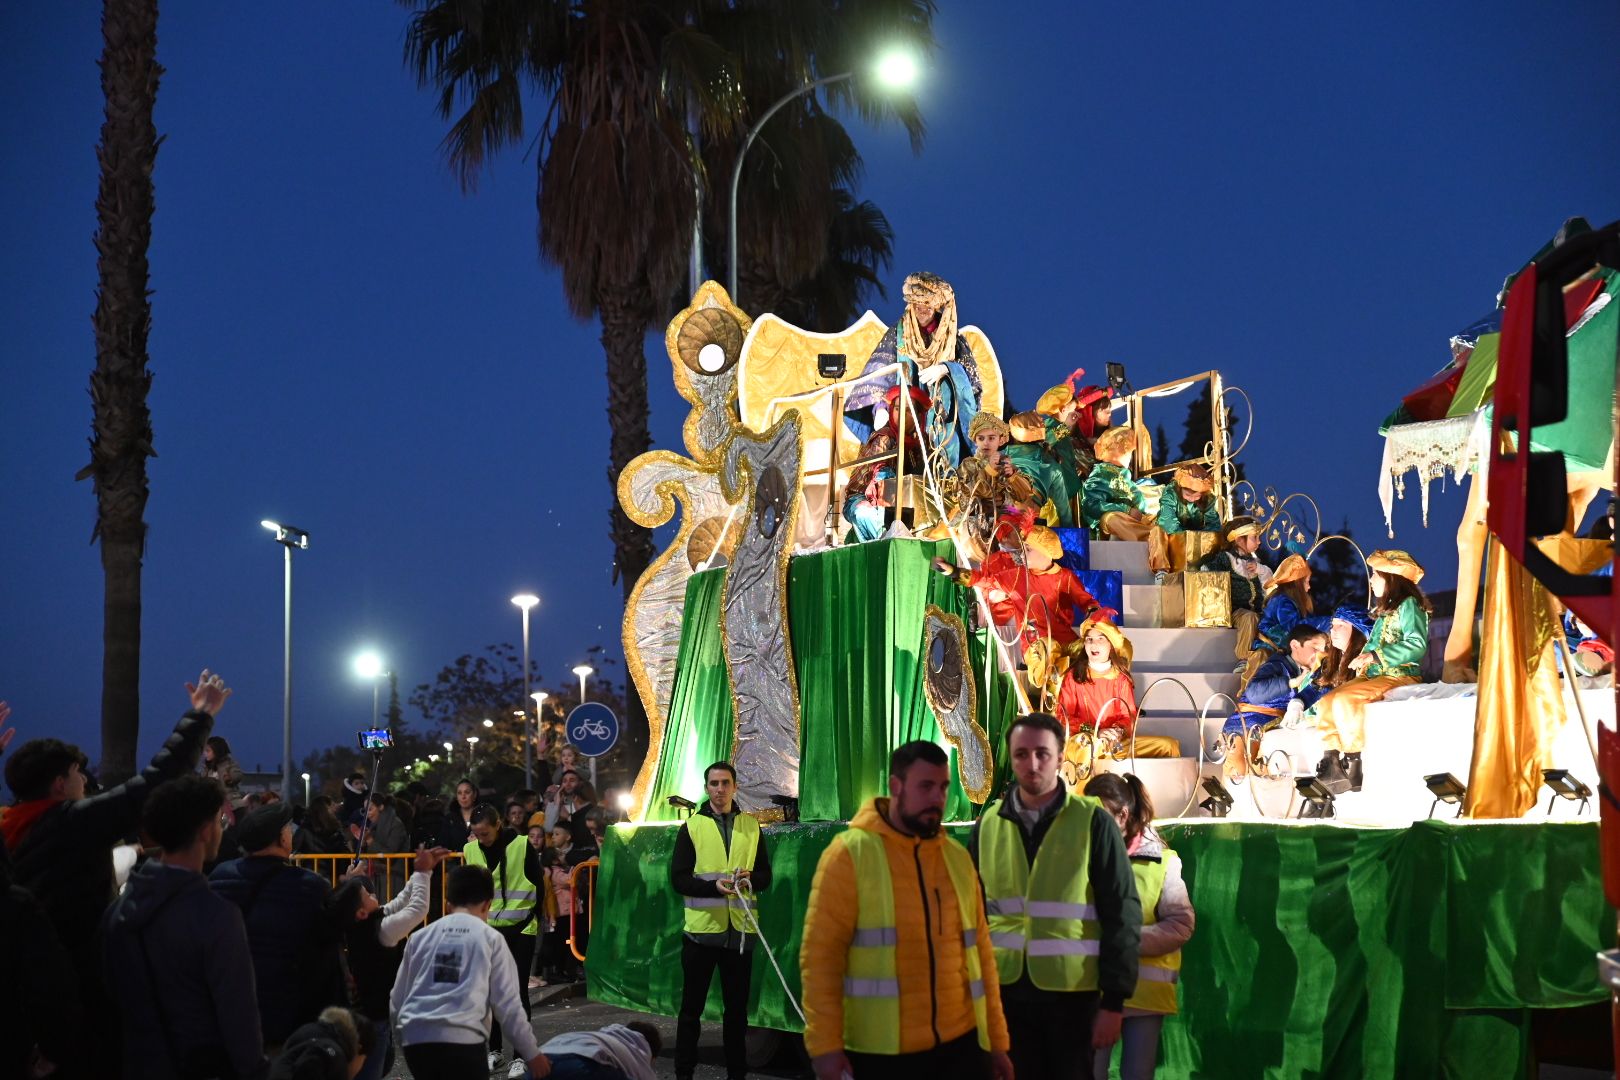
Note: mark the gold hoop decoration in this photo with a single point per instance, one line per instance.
(948, 686)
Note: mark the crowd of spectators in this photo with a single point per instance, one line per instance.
(220, 955)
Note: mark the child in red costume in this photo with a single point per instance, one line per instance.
(1046, 599)
(1097, 704)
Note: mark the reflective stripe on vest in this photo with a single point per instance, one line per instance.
(871, 971)
(1042, 916)
(1157, 975)
(515, 894)
(716, 914)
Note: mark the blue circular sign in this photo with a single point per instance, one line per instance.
(592, 728)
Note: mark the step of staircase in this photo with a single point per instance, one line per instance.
(1184, 649)
(1170, 783)
(1201, 684)
(1129, 557)
(1141, 606)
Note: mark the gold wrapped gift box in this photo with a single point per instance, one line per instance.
(1191, 548)
(1195, 598)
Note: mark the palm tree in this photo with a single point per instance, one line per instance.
(639, 97)
(122, 423)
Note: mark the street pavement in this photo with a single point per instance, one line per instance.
(554, 1012)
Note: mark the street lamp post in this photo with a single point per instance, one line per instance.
(368, 665)
(896, 70)
(449, 752)
(289, 537)
(584, 672)
(525, 601)
(306, 789)
(472, 749)
(539, 699)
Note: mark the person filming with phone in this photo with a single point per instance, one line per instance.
(719, 852)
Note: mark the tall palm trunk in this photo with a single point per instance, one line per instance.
(122, 423)
(625, 314)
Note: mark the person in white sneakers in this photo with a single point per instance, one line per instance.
(456, 972)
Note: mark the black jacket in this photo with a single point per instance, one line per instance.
(178, 964)
(684, 859)
(44, 1007)
(296, 948)
(1113, 888)
(65, 859)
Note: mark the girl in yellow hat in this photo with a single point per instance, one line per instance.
(1392, 657)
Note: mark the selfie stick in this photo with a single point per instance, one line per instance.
(365, 807)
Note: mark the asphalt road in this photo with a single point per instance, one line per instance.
(554, 1014)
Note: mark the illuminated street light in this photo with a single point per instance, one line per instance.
(525, 601)
(488, 722)
(369, 665)
(584, 672)
(289, 537)
(306, 789)
(897, 69)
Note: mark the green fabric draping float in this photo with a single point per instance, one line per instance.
(1321, 951)
(856, 622)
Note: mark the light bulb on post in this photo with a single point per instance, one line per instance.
(488, 722)
(897, 69)
(584, 672)
(368, 665)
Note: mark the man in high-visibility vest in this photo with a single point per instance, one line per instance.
(717, 852)
(898, 977)
(1065, 920)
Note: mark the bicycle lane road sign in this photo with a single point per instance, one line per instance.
(592, 728)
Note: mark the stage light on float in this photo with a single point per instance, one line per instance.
(831, 365)
(1446, 789)
(712, 358)
(625, 801)
(1316, 800)
(1219, 803)
(1565, 786)
(682, 804)
(789, 805)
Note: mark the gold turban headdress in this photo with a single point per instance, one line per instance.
(1239, 527)
(1397, 562)
(1116, 637)
(987, 421)
(1195, 477)
(1051, 403)
(933, 290)
(1045, 541)
(1115, 443)
(1292, 569)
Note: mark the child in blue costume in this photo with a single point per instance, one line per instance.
(1288, 604)
(1282, 686)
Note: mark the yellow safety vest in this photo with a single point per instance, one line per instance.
(871, 971)
(1156, 976)
(515, 894)
(1047, 913)
(713, 914)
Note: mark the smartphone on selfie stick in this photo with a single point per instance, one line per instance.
(374, 741)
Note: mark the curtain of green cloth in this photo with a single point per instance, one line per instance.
(701, 724)
(1320, 951)
(856, 619)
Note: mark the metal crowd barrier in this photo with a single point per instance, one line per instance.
(389, 872)
(590, 902)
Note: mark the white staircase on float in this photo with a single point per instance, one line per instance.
(1168, 659)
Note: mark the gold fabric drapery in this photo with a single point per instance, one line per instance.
(1521, 703)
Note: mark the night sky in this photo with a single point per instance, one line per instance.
(1310, 199)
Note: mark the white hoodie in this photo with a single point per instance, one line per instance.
(614, 1045)
(455, 972)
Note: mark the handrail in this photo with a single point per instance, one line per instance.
(590, 901)
(334, 867)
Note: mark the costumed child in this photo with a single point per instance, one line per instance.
(1282, 689)
(1288, 604)
(1167, 924)
(1392, 658)
(865, 496)
(1042, 598)
(986, 482)
(1116, 506)
(1347, 636)
(1044, 448)
(1236, 555)
(1188, 506)
(1097, 703)
(1091, 420)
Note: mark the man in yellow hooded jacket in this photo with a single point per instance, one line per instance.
(899, 980)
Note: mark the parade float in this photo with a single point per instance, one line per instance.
(1368, 934)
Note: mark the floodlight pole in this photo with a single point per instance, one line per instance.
(736, 173)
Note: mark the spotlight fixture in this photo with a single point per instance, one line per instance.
(1446, 789)
(682, 804)
(1219, 803)
(831, 365)
(1317, 800)
(1117, 382)
(789, 805)
(1565, 786)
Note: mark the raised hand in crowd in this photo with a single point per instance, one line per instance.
(6, 734)
(209, 694)
(427, 858)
